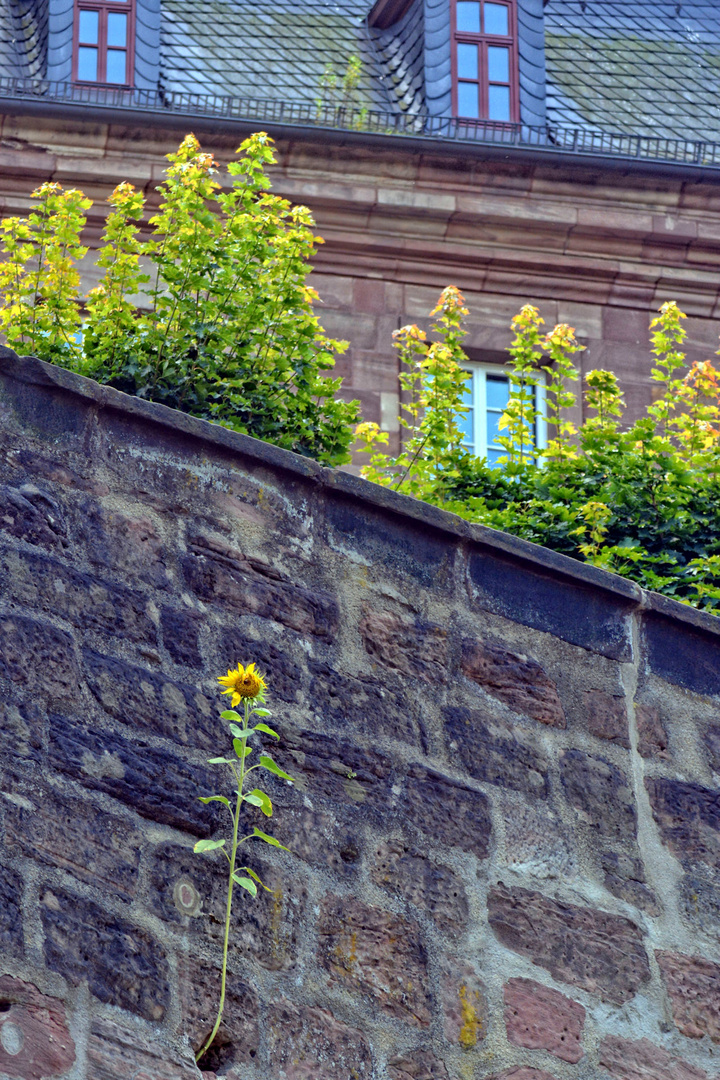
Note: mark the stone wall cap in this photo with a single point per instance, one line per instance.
(29, 369)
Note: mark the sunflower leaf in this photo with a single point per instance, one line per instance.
(268, 839)
(256, 877)
(220, 761)
(239, 732)
(208, 845)
(216, 798)
(262, 712)
(246, 883)
(252, 799)
(259, 798)
(230, 714)
(269, 764)
(241, 748)
(267, 730)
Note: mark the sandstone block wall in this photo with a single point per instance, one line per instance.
(506, 822)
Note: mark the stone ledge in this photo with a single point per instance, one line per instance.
(31, 370)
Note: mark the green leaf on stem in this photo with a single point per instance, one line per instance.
(241, 733)
(208, 845)
(269, 764)
(262, 712)
(220, 761)
(256, 877)
(259, 798)
(241, 749)
(230, 714)
(216, 798)
(268, 839)
(246, 883)
(267, 730)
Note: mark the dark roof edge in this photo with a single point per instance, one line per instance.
(420, 144)
(28, 369)
(385, 13)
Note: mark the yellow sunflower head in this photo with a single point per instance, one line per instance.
(243, 682)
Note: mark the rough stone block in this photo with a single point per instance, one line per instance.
(117, 1053)
(362, 704)
(149, 701)
(11, 927)
(693, 985)
(327, 767)
(606, 717)
(523, 1072)
(35, 1043)
(311, 1044)
(432, 888)
(374, 952)
(129, 545)
(598, 952)
(46, 585)
(55, 830)
(627, 1059)
(221, 575)
(652, 737)
(121, 962)
(40, 657)
(540, 1018)
(427, 797)
(238, 1037)
(600, 794)
(585, 617)
(181, 635)
(419, 1065)
(518, 681)
(416, 649)
(34, 516)
(688, 817)
(156, 783)
(21, 730)
(317, 837)
(491, 751)
(711, 739)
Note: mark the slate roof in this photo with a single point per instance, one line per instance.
(628, 67)
(643, 68)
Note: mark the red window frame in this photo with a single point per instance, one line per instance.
(103, 9)
(483, 40)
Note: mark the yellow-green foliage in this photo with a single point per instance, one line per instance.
(642, 500)
(205, 308)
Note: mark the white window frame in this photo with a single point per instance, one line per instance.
(478, 385)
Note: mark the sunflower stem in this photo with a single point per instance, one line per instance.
(231, 882)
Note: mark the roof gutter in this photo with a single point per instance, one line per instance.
(186, 120)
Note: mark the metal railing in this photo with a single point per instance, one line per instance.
(577, 140)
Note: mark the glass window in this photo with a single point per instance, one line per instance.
(467, 17)
(487, 393)
(498, 103)
(468, 100)
(497, 19)
(467, 61)
(103, 41)
(498, 64)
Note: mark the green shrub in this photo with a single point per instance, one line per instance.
(641, 500)
(211, 313)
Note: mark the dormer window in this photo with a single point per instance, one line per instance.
(484, 60)
(103, 42)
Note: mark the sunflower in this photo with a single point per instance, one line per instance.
(243, 683)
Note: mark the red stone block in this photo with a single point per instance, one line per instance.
(543, 1019)
(693, 985)
(35, 1043)
(626, 1059)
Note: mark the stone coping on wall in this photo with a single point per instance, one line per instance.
(29, 369)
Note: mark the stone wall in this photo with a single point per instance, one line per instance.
(506, 822)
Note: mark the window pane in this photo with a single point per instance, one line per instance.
(468, 17)
(87, 64)
(88, 27)
(497, 389)
(468, 102)
(117, 32)
(498, 64)
(116, 66)
(498, 102)
(496, 19)
(493, 427)
(467, 61)
(493, 455)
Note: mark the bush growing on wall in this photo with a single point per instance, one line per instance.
(210, 314)
(642, 501)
